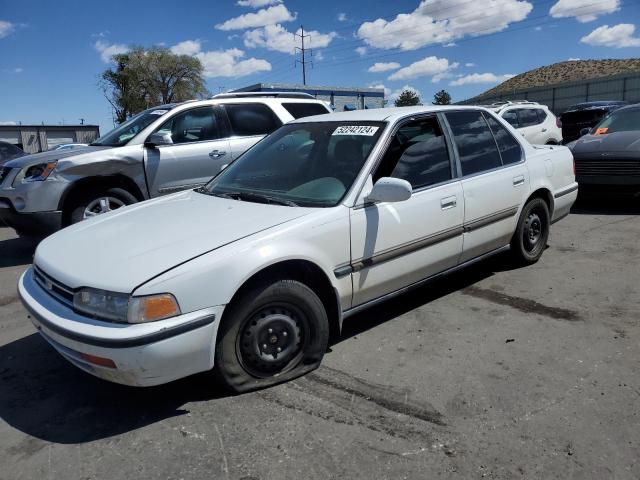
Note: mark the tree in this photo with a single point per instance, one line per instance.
(407, 98)
(442, 98)
(145, 78)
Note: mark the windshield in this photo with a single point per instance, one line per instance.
(305, 164)
(120, 135)
(619, 121)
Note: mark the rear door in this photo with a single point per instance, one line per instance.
(495, 180)
(195, 154)
(396, 244)
(248, 124)
(530, 125)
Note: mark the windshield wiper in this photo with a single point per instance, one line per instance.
(256, 197)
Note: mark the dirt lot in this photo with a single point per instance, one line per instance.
(492, 373)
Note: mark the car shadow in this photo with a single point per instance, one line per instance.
(17, 251)
(46, 397)
(606, 202)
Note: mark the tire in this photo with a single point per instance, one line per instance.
(117, 197)
(283, 314)
(530, 238)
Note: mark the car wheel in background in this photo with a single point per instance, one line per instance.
(273, 332)
(99, 202)
(530, 238)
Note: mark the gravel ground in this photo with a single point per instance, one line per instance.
(491, 373)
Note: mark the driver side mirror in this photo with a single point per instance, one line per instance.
(389, 189)
(156, 139)
(584, 131)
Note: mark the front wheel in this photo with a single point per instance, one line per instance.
(272, 333)
(531, 235)
(99, 202)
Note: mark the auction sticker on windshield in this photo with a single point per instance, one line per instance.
(366, 130)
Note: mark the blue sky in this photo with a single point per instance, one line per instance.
(52, 53)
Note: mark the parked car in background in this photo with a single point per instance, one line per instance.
(9, 151)
(251, 273)
(585, 115)
(534, 121)
(159, 151)
(609, 154)
(69, 146)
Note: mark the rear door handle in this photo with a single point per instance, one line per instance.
(544, 129)
(448, 202)
(519, 180)
(217, 153)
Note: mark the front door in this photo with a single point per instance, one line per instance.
(394, 245)
(193, 155)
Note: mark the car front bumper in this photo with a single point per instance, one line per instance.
(30, 223)
(144, 354)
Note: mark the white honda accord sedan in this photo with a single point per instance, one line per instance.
(250, 275)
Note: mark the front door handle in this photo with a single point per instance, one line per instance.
(448, 202)
(519, 180)
(544, 129)
(217, 153)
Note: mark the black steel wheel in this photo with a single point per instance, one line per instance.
(274, 331)
(532, 233)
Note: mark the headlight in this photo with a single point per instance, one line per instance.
(35, 173)
(120, 307)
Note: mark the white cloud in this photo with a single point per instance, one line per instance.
(6, 28)
(480, 78)
(383, 67)
(10, 122)
(257, 3)
(279, 39)
(261, 18)
(109, 50)
(188, 47)
(450, 44)
(361, 51)
(583, 10)
(427, 67)
(342, 17)
(396, 93)
(17, 70)
(571, 59)
(222, 63)
(469, 64)
(443, 21)
(618, 36)
(387, 91)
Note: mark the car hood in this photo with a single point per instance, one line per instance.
(619, 142)
(50, 156)
(123, 249)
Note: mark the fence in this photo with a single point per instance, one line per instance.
(559, 97)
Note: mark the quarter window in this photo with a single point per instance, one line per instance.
(418, 154)
(512, 117)
(542, 115)
(528, 117)
(476, 146)
(299, 110)
(249, 119)
(195, 125)
(510, 149)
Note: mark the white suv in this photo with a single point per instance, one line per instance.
(533, 120)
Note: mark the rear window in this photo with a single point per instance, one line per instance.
(476, 147)
(249, 119)
(510, 149)
(528, 117)
(299, 110)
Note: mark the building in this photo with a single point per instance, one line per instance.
(38, 138)
(340, 98)
(566, 83)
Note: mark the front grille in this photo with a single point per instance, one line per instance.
(613, 167)
(4, 172)
(56, 289)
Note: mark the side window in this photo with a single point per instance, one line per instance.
(299, 110)
(510, 149)
(249, 119)
(542, 115)
(418, 154)
(195, 125)
(528, 117)
(512, 117)
(476, 146)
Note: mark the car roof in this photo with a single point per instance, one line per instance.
(382, 114)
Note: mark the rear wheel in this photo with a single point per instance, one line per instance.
(272, 333)
(98, 202)
(531, 235)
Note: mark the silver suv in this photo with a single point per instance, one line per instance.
(159, 151)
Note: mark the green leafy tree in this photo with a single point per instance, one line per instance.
(147, 77)
(407, 98)
(442, 98)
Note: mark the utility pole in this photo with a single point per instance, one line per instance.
(302, 51)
